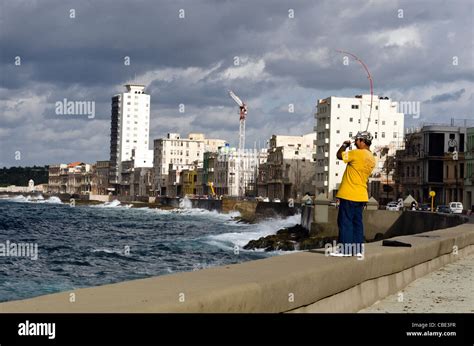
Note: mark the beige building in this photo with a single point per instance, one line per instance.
(73, 178)
(100, 178)
(289, 170)
(141, 181)
(176, 153)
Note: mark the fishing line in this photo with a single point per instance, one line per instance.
(369, 76)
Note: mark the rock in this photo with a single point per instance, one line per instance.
(289, 239)
(286, 239)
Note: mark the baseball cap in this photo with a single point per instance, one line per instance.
(365, 135)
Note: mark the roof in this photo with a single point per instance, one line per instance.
(74, 164)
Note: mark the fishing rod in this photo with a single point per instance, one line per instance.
(369, 76)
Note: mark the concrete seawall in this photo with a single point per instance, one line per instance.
(383, 224)
(298, 282)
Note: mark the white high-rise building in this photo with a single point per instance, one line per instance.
(129, 139)
(340, 118)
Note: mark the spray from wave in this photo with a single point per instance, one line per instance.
(250, 232)
(33, 199)
(113, 204)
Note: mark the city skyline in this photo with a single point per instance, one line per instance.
(277, 58)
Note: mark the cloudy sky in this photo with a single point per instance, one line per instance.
(418, 51)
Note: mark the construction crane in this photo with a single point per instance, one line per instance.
(211, 185)
(243, 115)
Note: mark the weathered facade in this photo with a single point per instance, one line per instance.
(433, 160)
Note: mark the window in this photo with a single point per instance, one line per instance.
(383, 122)
(128, 103)
(338, 105)
(394, 135)
(337, 131)
(350, 134)
(394, 123)
(376, 121)
(383, 134)
(350, 119)
(337, 174)
(376, 107)
(358, 121)
(355, 106)
(375, 135)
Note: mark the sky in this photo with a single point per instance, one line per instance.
(276, 55)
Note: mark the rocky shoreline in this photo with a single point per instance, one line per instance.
(289, 239)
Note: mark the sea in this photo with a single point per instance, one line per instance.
(84, 246)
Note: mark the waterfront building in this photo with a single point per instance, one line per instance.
(340, 118)
(432, 160)
(129, 138)
(100, 178)
(176, 153)
(289, 170)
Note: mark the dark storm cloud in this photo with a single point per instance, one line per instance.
(422, 55)
(447, 96)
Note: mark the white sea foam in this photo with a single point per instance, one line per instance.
(53, 200)
(108, 251)
(185, 203)
(115, 203)
(250, 232)
(34, 199)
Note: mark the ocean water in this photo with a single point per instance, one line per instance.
(87, 246)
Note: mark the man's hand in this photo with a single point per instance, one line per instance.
(342, 149)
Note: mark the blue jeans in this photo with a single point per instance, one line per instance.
(351, 228)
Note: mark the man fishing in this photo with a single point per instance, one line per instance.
(353, 194)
